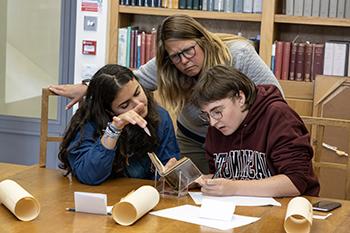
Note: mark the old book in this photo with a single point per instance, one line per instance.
(293, 54)
(181, 174)
(189, 4)
(307, 62)
(278, 59)
(317, 60)
(143, 48)
(257, 6)
(285, 60)
(228, 6)
(122, 40)
(148, 46)
(248, 6)
(299, 62)
(205, 5)
(238, 5)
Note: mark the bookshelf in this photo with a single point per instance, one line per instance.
(271, 24)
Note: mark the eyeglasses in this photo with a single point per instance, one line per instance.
(187, 53)
(216, 114)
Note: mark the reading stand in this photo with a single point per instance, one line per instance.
(180, 189)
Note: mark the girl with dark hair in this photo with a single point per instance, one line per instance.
(114, 128)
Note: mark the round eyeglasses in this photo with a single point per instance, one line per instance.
(216, 114)
(187, 53)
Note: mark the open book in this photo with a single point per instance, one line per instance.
(180, 175)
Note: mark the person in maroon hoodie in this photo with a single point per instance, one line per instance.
(256, 144)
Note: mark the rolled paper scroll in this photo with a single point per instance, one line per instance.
(298, 216)
(21, 203)
(134, 205)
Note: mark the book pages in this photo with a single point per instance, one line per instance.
(298, 216)
(21, 203)
(134, 205)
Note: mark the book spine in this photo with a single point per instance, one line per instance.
(189, 4)
(333, 7)
(153, 42)
(341, 9)
(317, 66)
(347, 9)
(148, 46)
(278, 59)
(299, 62)
(122, 39)
(210, 5)
(273, 55)
(307, 62)
(195, 5)
(285, 60)
(205, 5)
(143, 48)
(307, 8)
(238, 5)
(138, 56)
(257, 6)
(328, 58)
(293, 55)
(316, 4)
(182, 4)
(298, 7)
(128, 46)
(289, 7)
(228, 6)
(324, 8)
(248, 6)
(340, 58)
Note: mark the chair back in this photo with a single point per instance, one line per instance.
(44, 137)
(335, 158)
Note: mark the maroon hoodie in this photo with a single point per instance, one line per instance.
(271, 140)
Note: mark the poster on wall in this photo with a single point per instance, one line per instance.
(91, 5)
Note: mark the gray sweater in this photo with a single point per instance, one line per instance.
(245, 59)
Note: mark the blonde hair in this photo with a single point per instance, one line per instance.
(174, 86)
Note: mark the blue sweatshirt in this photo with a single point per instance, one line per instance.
(92, 163)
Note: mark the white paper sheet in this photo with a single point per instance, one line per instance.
(94, 203)
(237, 200)
(214, 209)
(321, 217)
(190, 214)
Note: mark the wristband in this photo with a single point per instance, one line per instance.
(112, 131)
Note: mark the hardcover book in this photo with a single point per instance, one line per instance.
(183, 173)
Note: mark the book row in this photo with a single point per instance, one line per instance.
(303, 61)
(135, 47)
(318, 8)
(243, 6)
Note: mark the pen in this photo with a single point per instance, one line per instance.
(73, 210)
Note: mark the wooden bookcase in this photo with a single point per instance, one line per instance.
(271, 25)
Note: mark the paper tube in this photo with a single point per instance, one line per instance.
(299, 216)
(134, 205)
(21, 203)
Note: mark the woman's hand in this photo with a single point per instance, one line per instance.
(130, 117)
(75, 92)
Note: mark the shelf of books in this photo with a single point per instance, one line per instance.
(157, 11)
(312, 20)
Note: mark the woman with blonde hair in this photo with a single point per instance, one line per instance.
(185, 50)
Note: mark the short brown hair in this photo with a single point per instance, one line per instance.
(220, 82)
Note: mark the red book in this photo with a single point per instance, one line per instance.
(293, 55)
(278, 59)
(153, 43)
(299, 62)
(307, 62)
(148, 47)
(317, 61)
(285, 60)
(143, 48)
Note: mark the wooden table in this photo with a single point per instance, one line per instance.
(9, 169)
(55, 193)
